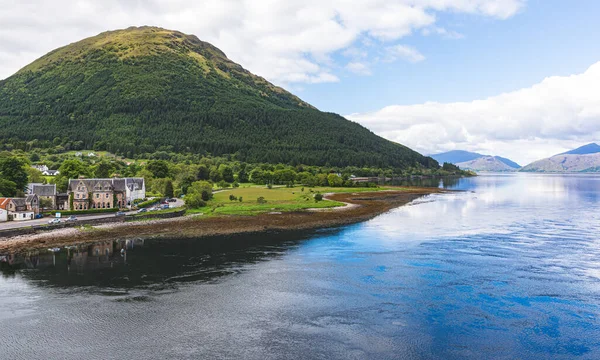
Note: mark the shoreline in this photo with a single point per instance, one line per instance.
(359, 207)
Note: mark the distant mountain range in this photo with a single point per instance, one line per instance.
(467, 160)
(583, 159)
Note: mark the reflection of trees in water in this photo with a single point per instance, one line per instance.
(151, 264)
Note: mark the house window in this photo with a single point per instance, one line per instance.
(97, 196)
(107, 196)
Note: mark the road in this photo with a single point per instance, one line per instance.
(43, 221)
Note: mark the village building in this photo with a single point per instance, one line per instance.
(20, 209)
(50, 172)
(46, 194)
(86, 194)
(41, 168)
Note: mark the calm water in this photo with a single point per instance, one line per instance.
(508, 269)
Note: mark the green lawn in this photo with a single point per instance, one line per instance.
(279, 198)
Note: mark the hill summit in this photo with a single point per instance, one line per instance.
(147, 89)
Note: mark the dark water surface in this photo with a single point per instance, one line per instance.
(507, 270)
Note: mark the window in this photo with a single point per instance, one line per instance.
(107, 196)
(97, 196)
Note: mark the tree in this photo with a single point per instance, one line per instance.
(334, 180)
(318, 197)
(34, 175)
(7, 188)
(203, 173)
(198, 194)
(46, 203)
(73, 169)
(215, 174)
(158, 168)
(226, 173)
(169, 189)
(104, 169)
(243, 175)
(13, 170)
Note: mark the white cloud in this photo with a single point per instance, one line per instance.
(284, 41)
(557, 114)
(445, 33)
(408, 53)
(358, 68)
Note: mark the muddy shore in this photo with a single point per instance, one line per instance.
(360, 207)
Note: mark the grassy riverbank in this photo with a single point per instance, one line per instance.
(275, 199)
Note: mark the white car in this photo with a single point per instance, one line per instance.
(54, 221)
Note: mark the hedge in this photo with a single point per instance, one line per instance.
(81, 212)
(148, 203)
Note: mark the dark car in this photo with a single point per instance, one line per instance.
(172, 200)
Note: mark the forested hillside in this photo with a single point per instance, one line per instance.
(142, 90)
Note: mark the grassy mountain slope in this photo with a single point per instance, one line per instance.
(145, 89)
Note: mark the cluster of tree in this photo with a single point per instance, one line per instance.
(180, 173)
(13, 175)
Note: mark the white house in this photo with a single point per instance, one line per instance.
(3, 215)
(50, 172)
(41, 168)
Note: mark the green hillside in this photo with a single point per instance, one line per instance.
(145, 89)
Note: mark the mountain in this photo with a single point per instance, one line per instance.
(477, 162)
(583, 159)
(147, 89)
(486, 163)
(456, 156)
(585, 149)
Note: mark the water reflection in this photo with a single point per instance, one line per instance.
(506, 269)
(145, 263)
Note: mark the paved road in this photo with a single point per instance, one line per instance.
(43, 221)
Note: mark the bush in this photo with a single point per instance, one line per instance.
(261, 200)
(318, 197)
(147, 203)
(206, 195)
(240, 199)
(269, 186)
(232, 197)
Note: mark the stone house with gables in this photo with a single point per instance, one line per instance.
(90, 194)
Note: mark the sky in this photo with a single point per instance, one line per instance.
(515, 78)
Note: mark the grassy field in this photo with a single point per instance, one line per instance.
(279, 198)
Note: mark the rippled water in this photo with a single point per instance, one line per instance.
(508, 269)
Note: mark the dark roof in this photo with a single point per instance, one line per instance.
(44, 190)
(116, 184)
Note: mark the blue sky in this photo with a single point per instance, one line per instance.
(516, 78)
(546, 38)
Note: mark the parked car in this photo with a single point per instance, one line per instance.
(172, 200)
(54, 221)
(119, 213)
(39, 216)
(71, 218)
(142, 210)
(152, 209)
(165, 206)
